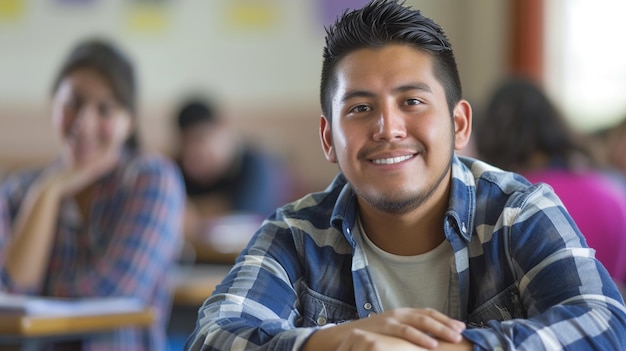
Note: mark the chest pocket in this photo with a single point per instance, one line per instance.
(504, 306)
(318, 309)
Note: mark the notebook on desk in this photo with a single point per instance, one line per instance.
(52, 306)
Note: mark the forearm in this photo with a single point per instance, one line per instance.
(229, 330)
(28, 251)
(589, 326)
(241, 312)
(323, 339)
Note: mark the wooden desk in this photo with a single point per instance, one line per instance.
(193, 284)
(206, 254)
(31, 332)
(220, 239)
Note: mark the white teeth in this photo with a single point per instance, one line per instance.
(392, 160)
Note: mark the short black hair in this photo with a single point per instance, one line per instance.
(195, 111)
(383, 22)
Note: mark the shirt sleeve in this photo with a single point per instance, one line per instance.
(12, 192)
(145, 237)
(255, 307)
(5, 226)
(570, 300)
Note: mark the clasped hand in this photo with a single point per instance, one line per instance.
(399, 329)
(69, 179)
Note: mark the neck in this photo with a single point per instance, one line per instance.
(413, 233)
(84, 199)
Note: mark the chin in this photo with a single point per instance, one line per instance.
(398, 202)
(81, 158)
(395, 206)
(79, 162)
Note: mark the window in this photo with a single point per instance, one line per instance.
(585, 60)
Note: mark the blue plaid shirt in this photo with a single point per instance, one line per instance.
(522, 275)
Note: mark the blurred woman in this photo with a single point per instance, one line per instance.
(102, 219)
(524, 132)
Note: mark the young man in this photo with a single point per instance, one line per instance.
(220, 167)
(410, 247)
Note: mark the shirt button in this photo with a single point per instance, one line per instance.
(321, 320)
(371, 314)
(367, 306)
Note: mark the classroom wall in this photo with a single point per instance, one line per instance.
(261, 59)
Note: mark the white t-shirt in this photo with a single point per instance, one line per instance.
(408, 281)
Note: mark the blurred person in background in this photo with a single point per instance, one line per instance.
(522, 130)
(228, 180)
(610, 148)
(102, 219)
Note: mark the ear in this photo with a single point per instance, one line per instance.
(462, 117)
(326, 137)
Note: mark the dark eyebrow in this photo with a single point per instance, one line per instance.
(356, 93)
(414, 86)
(403, 88)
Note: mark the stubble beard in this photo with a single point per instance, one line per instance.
(402, 203)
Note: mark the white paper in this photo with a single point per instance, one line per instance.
(50, 306)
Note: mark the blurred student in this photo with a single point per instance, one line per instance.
(102, 219)
(610, 147)
(524, 132)
(224, 174)
(616, 147)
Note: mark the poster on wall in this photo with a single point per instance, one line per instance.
(252, 15)
(330, 10)
(75, 2)
(148, 16)
(11, 10)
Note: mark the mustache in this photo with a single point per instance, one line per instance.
(366, 153)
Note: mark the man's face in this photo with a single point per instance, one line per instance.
(207, 151)
(392, 133)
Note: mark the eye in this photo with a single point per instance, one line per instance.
(412, 102)
(106, 109)
(74, 103)
(361, 108)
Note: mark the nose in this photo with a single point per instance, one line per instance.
(390, 125)
(86, 117)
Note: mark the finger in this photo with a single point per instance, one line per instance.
(444, 319)
(436, 325)
(416, 334)
(363, 340)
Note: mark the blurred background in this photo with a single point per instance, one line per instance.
(261, 60)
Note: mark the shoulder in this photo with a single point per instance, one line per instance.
(483, 174)
(498, 192)
(18, 181)
(150, 168)
(260, 160)
(152, 162)
(318, 213)
(309, 224)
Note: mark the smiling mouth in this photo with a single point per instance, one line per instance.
(392, 160)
